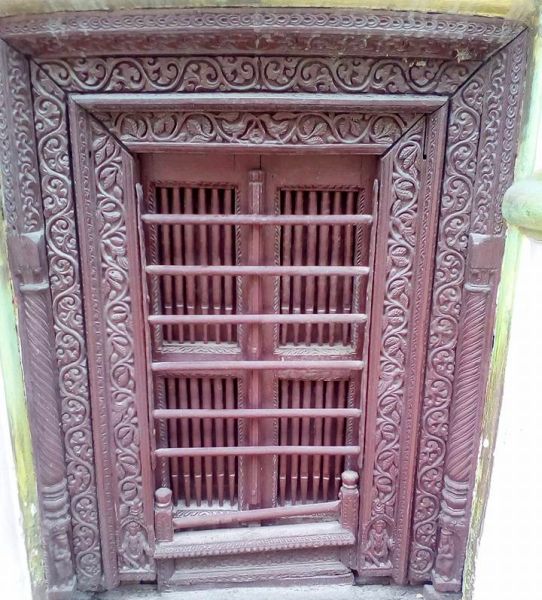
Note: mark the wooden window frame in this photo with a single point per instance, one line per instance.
(469, 108)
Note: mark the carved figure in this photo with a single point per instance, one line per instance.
(135, 550)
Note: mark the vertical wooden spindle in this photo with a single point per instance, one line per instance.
(284, 424)
(189, 251)
(179, 260)
(216, 258)
(298, 260)
(294, 460)
(323, 259)
(286, 261)
(335, 260)
(206, 402)
(167, 283)
(318, 426)
(326, 473)
(218, 402)
(203, 260)
(348, 260)
(230, 434)
(196, 440)
(185, 440)
(173, 438)
(312, 235)
(342, 391)
(305, 432)
(229, 259)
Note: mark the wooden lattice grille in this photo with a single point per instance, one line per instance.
(257, 294)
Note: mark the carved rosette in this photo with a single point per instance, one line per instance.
(397, 263)
(344, 74)
(70, 345)
(284, 128)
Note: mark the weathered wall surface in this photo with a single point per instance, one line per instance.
(514, 9)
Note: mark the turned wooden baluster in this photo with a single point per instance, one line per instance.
(349, 497)
(163, 515)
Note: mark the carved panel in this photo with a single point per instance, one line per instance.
(284, 128)
(20, 182)
(482, 136)
(389, 350)
(345, 74)
(456, 202)
(116, 348)
(70, 345)
(273, 31)
(22, 207)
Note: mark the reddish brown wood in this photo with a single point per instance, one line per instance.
(298, 341)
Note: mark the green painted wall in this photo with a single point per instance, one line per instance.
(530, 143)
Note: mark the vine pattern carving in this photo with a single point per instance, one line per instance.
(306, 128)
(379, 531)
(20, 182)
(456, 202)
(259, 73)
(64, 273)
(135, 553)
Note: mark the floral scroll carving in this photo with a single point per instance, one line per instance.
(344, 74)
(64, 273)
(300, 128)
(105, 184)
(481, 128)
(379, 528)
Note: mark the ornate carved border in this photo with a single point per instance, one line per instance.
(478, 128)
(479, 145)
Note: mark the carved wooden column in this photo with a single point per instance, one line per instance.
(23, 210)
(484, 258)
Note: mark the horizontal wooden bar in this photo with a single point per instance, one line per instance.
(239, 270)
(254, 413)
(259, 451)
(159, 219)
(260, 514)
(258, 101)
(265, 318)
(260, 365)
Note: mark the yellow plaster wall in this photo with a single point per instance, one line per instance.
(513, 9)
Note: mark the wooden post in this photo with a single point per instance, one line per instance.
(163, 515)
(349, 497)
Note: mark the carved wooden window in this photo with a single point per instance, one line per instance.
(262, 118)
(288, 247)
